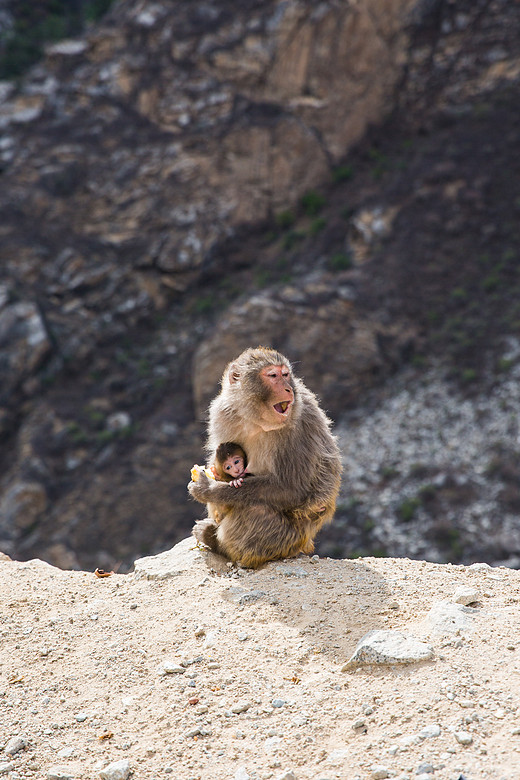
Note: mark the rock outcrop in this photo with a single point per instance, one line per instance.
(168, 673)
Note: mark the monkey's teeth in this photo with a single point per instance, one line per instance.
(282, 407)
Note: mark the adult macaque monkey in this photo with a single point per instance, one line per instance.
(293, 458)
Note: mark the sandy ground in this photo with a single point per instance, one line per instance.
(213, 673)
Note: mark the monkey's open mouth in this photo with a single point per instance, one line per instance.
(282, 407)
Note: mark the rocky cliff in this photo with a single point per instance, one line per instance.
(337, 179)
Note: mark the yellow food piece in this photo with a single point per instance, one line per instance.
(196, 471)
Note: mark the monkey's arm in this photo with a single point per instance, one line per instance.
(254, 490)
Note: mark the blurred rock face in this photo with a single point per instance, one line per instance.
(132, 159)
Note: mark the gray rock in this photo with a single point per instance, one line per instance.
(388, 647)
(118, 770)
(24, 342)
(23, 504)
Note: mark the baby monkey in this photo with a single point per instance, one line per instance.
(230, 463)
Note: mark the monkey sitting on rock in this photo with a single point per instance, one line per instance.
(294, 460)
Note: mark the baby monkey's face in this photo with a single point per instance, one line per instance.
(234, 466)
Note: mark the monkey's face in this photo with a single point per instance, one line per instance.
(277, 395)
(260, 386)
(234, 466)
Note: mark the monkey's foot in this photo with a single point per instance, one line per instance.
(205, 532)
(308, 547)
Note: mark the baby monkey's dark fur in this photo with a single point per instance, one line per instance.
(293, 457)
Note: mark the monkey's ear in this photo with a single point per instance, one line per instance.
(233, 374)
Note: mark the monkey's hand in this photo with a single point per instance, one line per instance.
(201, 489)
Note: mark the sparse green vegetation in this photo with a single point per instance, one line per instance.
(340, 261)
(459, 294)
(342, 173)
(407, 509)
(285, 219)
(204, 304)
(36, 24)
(389, 472)
(292, 238)
(380, 163)
(317, 225)
(504, 364)
(312, 203)
(468, 375)
(76, 433)
(263, 277)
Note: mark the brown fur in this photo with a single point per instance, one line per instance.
(295, 462)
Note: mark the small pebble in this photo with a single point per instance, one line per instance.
(241, 706)
(278, 703)
(66, 752)
(466, 595)
(59, 773)
(378, 772)
(463, 737)
(168, 667)
(15, 744)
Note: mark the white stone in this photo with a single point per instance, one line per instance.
(463, 737)
(169, 667)
(184, 558)
(430, 731)
(447, 618)
(240, 706)
(118, 770)
(15, 744)
(378, 772)
(59, 773)
(388, 647)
